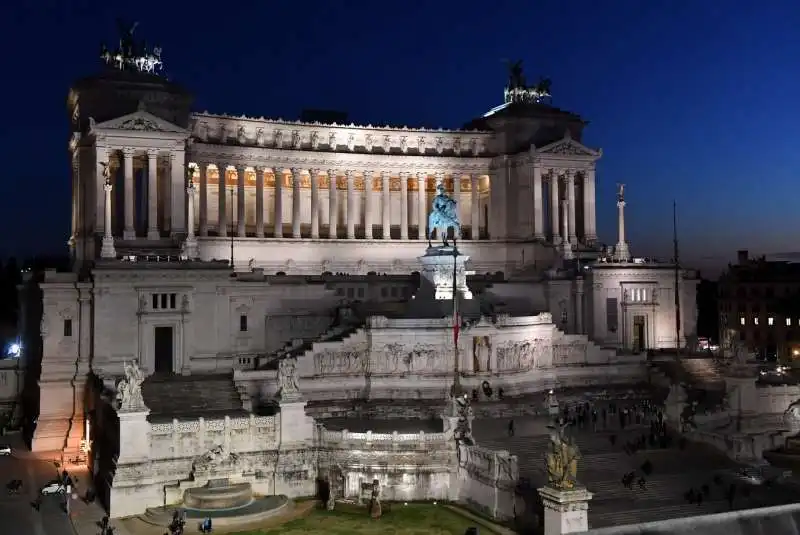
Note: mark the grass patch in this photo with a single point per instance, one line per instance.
(397, 519)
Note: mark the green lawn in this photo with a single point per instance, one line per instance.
(413, 519)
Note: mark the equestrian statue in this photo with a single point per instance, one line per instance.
(443, 216)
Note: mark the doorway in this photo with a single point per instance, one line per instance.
(162, 354)
(639, 338)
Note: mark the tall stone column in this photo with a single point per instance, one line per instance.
(108, 250)
(538, 203)
(189, 248)
(369, 205)
(589, 218)
(421, 205)
(457, 194)
(152, 195)
(386, 209)
(333, 205)
(403, 206)
(296, 177)
(129, 233)
(351, 205)
(314, 176)
(203, 211)
(570, 180)
(579, 305)
(241, 199)
(222, 206)
(259, 202)
(278, 225)
(177, 193)
(621, 251)
(554, 206)
(566, 246)
(475, 207)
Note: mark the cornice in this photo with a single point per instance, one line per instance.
(288, 158)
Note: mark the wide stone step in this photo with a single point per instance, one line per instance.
(599, 519)
(193, 396)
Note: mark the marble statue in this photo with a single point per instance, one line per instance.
(791, 417)
(620, 192)
(562, 460)
(443, 216)
(216, 456)
(287, 377)
(129, 389)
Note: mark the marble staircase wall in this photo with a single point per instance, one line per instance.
(487, 480)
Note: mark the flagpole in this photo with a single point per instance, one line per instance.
(456, 324)
(677, 277)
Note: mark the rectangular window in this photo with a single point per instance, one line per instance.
(67, 327)
(163, 300)
(755, 320)
(788, 322)
(155, 301)
(172, 300)
(770, 320)
(243, 323)
(742, 320)
(611, 314)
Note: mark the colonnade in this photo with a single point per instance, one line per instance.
(563, 184)
(374, 214)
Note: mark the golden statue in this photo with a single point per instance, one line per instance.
(562, 461)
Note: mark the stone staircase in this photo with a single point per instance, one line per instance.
(695, 372)
(191, 396)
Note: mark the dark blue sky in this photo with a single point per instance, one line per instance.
(693, 100)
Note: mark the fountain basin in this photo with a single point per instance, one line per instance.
(216, 496)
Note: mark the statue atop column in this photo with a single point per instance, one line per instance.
(562, 459)
(443, 216)
(620, 192)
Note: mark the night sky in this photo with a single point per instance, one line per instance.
(690, 100)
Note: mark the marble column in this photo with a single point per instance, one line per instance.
(297, 175)
(176, 192)
(422, 209)
(129, 233)
(241, 199)
(589, 219)
(554, 206)
(570, 180)
(403, 206)
(152, 195)
(333, 205)
(314, 176)
(566, 246)
(203, 210)
(278, 201)
(579, 305)
(259, 202)
(621, 251)
(222, 204)
(351, 205)
(474, 208)
(538, 203)
(386, 209)
(457, 196)
(107, 250)
(189, 248)
(369, 205)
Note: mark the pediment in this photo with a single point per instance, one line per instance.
(139, 121)
(569, 147)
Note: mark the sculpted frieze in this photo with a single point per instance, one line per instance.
(343, 362)
(573, 352)
(520, 355)
(399, 358)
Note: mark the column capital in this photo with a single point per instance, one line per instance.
(331, 173)
(152, 153)
(385, 175)
(296, 171)
(108, 187)
(403, 174)
(313, 171)
(421, 175)
(350, 174)
(128, 151)
(241, 167)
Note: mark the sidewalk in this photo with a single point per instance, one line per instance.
(85, 517)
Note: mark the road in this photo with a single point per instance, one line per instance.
(17, 515)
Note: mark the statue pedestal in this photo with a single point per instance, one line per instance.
(134, 436)
(189, 248)
(565, 511)
(437, 268)
(108, 250)
(295, 424)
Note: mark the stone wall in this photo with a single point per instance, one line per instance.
(487, 480)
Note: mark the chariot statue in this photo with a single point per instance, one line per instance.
(562, 460)
(443, 216)
(516, 79)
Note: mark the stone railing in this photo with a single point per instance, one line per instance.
(488, 480)
(377, 439)
(178, 439)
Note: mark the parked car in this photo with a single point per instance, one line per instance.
(5, 449)
(54, 487)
